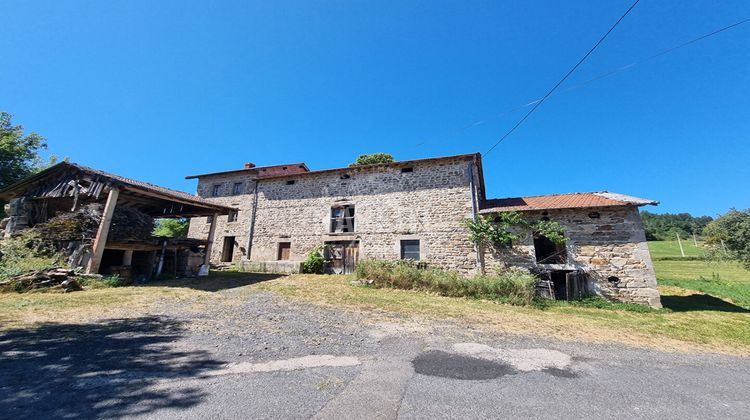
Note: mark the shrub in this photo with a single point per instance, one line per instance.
(26, 252)
(314, 263)
(516, 286)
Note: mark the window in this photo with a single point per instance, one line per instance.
(342, 219)
(407, 170)
(410, 249)
(209, 220)
(548, 252)
(284, 251)
(290, 182)
(232, 217)
(216, 190)
(237, 188)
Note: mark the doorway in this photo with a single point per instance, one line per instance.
(227, 252)
(568, 285)
(343, 256)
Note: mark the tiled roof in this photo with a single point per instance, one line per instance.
(563, 201)
(281, 169)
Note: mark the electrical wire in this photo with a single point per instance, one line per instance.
(531, 111)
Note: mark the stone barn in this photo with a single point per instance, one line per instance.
(417, 210)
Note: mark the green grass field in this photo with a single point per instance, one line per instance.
(726, 280)
(671, 249)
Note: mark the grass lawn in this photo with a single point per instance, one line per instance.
(662, 249)
(726, 280)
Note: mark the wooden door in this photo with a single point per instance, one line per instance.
(342, 257)
(351, 255)
(284, 250)
(575, 285)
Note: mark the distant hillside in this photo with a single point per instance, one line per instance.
(665, 227)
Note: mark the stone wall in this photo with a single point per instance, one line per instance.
(611, 250)
(429, 204)
(243, 201)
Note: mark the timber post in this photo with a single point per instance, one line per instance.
(101, 234)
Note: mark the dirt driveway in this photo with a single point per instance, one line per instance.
(261, 355)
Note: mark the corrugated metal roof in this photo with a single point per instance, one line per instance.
(563, 201)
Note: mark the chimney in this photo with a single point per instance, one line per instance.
(249, 165)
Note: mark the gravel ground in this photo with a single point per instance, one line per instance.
(259, 355)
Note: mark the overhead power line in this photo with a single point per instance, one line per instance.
(531, 111)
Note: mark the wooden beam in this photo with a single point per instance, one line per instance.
(101, 234)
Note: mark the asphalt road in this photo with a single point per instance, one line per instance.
(267, 357)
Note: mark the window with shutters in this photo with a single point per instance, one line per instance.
(342, 219)
(410, 249)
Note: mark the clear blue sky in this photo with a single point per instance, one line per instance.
(157, 90)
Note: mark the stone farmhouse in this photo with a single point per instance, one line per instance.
(417, 210)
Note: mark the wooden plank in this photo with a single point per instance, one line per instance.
(101, 234)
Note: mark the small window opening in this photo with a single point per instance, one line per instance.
(613, 280)
(291, 182)
(342, 219)
(407, 170)
(209, 220)
(594, 215)
(227, 252)
(548, 252)
(345, 176)
(410, 249)
(285, 249)
(233, 215)
(216, 190)
(284, 168)
(237, 188)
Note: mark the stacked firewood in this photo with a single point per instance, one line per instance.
(57, 278)
(82, 224)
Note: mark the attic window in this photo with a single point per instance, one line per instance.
(345, 176)
(407, 170)
(291, 182)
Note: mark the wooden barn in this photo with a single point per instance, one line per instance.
(104, 222)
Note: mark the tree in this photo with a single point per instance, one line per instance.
(665, 227)
(171, 228)
(373, 159)
(19, 153)
(730, 233)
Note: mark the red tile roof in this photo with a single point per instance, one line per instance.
(563, 201)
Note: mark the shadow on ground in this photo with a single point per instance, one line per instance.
(107, 369)
(699, 302)
(217, 281)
